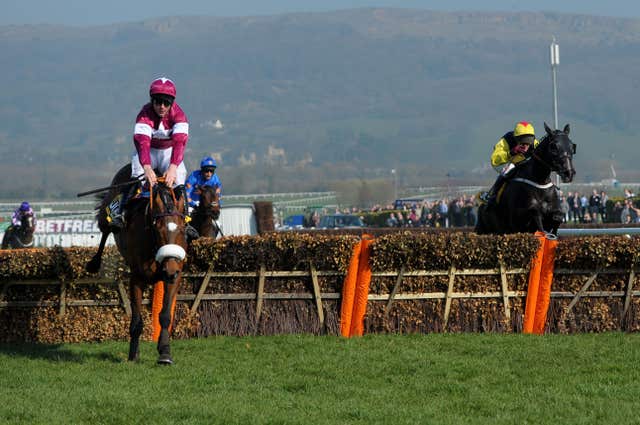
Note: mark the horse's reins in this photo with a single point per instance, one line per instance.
(531, 182)
(173, 196)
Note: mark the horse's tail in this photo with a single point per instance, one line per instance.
(102, 200)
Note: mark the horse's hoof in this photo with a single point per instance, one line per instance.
(93, 266)
(165, 360)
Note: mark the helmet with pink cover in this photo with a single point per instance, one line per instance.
(162, 86)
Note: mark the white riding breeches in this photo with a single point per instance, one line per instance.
(160, 160)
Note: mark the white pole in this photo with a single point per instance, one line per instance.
(554, 50)
(555, 61)
(395, 184)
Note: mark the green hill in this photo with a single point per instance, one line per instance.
(342, 95)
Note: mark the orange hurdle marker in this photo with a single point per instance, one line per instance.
(532, 287)
(539, 289)
(544, 288)
(349, 292)
(361, 298)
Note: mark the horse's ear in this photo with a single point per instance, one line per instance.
(547, 129)
(567, 129)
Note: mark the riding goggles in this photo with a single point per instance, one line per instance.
(162, 100)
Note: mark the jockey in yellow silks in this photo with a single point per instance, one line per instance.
(512, 148)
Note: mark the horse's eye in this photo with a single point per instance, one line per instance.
(553, 149)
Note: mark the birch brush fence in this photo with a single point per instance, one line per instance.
(292, 283)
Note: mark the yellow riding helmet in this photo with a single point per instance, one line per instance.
(523, 128)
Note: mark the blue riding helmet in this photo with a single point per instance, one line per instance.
(208, 162)
(25, 206)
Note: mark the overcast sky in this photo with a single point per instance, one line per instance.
(92, 12)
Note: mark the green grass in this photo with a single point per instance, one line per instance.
(420, 379)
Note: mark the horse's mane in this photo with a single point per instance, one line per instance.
(165, 195)
(543, 140)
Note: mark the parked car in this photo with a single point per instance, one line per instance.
(340, 221)
(292, 222)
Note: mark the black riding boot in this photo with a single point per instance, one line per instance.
(492, 196)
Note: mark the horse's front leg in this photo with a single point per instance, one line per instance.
(137, 325)
(538, 221)
(165, 318)
(556, 221)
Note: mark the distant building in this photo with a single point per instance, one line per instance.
(275, 156)
(247, 159)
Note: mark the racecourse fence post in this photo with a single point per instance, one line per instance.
(448, 298)
(505, 291)
(629, 293)
(582, 290)
(201, 291)
(396, 287)
(63, 298)
(316, 294)
(126, 303)
(260, 293)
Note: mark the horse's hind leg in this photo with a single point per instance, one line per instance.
(137, 325)
(93, 266)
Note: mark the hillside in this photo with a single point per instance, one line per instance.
(306, 99)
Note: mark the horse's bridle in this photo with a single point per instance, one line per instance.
(167, 250)
(538, 158)
(207, 210)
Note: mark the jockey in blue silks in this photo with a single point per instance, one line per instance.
(205, 176)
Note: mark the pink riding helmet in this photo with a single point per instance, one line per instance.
(162, 86)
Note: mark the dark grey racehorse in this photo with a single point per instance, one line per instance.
(19, 237)
(529, 201)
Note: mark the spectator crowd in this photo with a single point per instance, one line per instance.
(462, 211)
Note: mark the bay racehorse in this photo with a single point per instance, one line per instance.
(204, 215)
(16, 237)
(529, 201)
(153, 244)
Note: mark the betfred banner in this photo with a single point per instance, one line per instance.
(66, 233)
(66, 226)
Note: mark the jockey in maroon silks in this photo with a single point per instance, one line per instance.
(160, 135)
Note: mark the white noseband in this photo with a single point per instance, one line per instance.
(170, 251)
